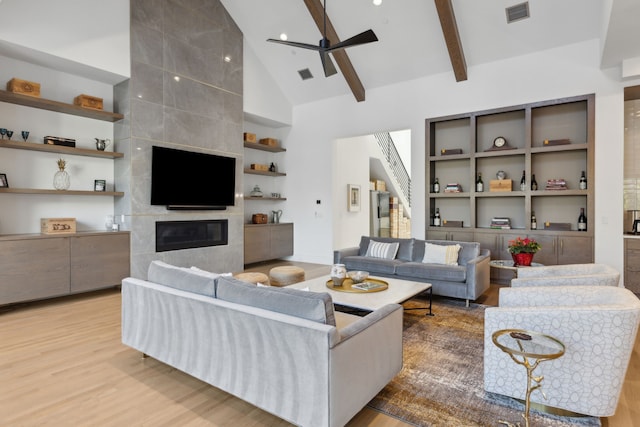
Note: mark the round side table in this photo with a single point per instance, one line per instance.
(528, 349)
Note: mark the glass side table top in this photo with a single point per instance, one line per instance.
(530, 344)
(508, 264)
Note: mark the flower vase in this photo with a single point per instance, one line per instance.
(338, 274)
(522, 259)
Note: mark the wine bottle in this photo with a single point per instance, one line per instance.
(534, 183)
(523, 182)
(436, 186)
(436, 218)
(582, 221)
(583, 181)
(479, 184)
(534, 222)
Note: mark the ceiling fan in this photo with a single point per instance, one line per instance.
(324, 47)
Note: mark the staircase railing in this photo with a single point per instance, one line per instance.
(395, 163)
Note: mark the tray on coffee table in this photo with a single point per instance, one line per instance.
(376, 285)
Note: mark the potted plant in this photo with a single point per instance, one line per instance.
(522, 250)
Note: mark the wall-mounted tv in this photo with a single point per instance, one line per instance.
(188, 180)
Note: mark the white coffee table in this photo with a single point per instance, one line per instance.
(398, 292)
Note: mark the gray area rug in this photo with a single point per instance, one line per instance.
(441, 383)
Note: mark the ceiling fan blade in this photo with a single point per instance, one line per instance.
(297, 44)
(362, 38)
(327, 64)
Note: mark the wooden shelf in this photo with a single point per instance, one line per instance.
(59, 107)
(265, 198)
(262, 147)
(60, 149)
(60, 192)
(265, 173)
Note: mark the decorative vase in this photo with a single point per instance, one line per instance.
(522, 259)
(61, 180)
(338, 274)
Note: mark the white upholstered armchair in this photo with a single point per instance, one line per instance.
(568, 275)
(597, 324)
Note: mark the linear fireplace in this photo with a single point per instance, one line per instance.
(174, 235)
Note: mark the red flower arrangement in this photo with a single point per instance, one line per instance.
(523, 246)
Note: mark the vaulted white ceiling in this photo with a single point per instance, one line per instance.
(411, 42)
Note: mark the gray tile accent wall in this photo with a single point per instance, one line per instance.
(182, 94)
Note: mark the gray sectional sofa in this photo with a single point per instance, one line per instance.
(467, 279)
(283, 350)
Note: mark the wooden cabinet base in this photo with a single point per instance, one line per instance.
(263, 242)
(35, 266)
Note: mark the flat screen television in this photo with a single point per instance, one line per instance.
(188, 180)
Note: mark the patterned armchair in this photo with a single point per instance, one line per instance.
(568, 275)
(597, 324)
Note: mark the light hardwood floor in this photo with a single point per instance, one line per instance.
(62, 364)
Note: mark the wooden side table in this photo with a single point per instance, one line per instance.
(528, 349)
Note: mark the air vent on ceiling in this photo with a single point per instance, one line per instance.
(517, 12)
(305, 74)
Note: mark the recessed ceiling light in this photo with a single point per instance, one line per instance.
(283, 36)
(176, 78)
(227, 58)
(377, 2)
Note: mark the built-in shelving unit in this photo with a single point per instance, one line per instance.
(59, 107)
(525, 127)
(262, 147)
(60, 149)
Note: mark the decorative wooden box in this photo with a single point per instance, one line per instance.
(259, 218)
(451, 223)
(271, 142)
(23, 87)
(58, 225)
(249, 137)
(87, 101)
(497, 185)
(259, 167)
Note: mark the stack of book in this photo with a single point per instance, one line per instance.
(501, 223)
(453, 188)
(556, 184)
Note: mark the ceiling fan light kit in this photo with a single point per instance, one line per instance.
(325, 47)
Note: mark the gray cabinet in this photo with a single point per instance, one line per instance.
(457, 235)
(34, 266)
(632, 264)
(264, 242)
(498, 244)
(563, 249)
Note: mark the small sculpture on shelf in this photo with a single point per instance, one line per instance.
(256, 192)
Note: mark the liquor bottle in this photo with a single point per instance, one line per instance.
(534, 183)
(523, 182)
(479, 184)
(582, 221)
(534, 222)
(436, 218)
(436, 186)
(583, 181)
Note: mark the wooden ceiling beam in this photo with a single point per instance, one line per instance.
(340, 56)
(452, 38)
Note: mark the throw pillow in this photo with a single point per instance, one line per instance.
(382, 250)
(441, 254)
(205, 273)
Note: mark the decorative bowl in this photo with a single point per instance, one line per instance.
(358, 276)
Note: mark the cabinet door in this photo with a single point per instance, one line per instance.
(632, 265)
(461, 236)
(99, 261)
(33, 269)
(437, 234)
(575, 250)
(548, 253)
(257, 243)
(281, 240)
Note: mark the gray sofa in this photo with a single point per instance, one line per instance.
(467, 280)
(283, 350)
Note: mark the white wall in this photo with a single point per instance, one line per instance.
(561, 72)
(94, 33)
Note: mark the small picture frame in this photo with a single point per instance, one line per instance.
(4, 183)
(99, 185)
(353, 192)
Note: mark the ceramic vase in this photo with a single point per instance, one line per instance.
(522, 259)
(338, 274)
